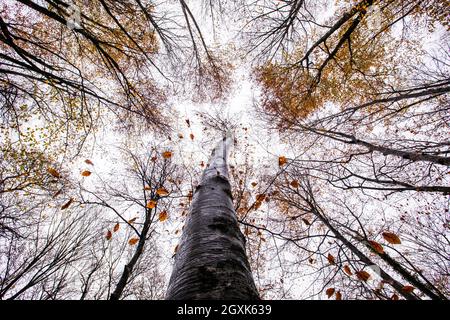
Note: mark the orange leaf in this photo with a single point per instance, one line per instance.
(331, 259)
(338, 295)
(294, 184)
(163, 216)
(408, 289)
(151, 204)
(162, 192)
(86, 173)
(376, 246)
(257, 205)
(392, 238)
(329, 292)
(108, 235)
(167, 154)
(89, 162)
(67, 204)
(116, 227)
(133, 241)
(362, 275)
(53, 172)
(282, 161)
(191, 136)
(347, 270)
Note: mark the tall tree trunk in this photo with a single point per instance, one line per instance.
(211, 261)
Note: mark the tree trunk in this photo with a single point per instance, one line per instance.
(211, 261)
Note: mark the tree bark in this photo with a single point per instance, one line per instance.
(211, 261)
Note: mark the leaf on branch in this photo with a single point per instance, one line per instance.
(188, 123)
(408, 289)
(133, 241)
(392, 238)
(260, 197)
(376, 246)
(394, 297)
(329, 292)
(305, 221)
(254, 184)
(331, 259)
(176, 249)
(163, 216)
(151, 204)
(108, 235)
(295, 184)
(167, 154)
(147, 188)
(116, 227)
(67, 204)
(362, 275)
(180, 136)
(162, 192)
(347, 270)
(86, 173)
(53, 172)
(131, 221)
(338, 295)
(282, 161)
(89, 162)
(191, 136)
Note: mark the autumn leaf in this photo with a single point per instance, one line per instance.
(153, 159)
(108, 235)
(408, 289)
(338, 295)
(133, 241)
(53, 172)
(305, 221)
(147, 188)
(180, 136)
(362, 275)
(89, 162)
(392, 238)
(116, 227)
(247, 230)
(202, 164)
(282, 161)
(394, 297)
(162, 192)
(331, 259)
(67, 204)
(188, 123)
(260, 197)
(167, 154)
(151, 204)
(294, 184)
(176, 249)
(347, 270)
(376, 246)
(163, 216)
(86, 173)
(254, 184)
(131, 221)
(191, 136)
(329, 292)
(257, 205)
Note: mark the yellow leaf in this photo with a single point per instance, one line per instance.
(67, 204)
(116, 227)
(151, 204)
(108, 235)
(376, 246)
(89, 162)
(162, 192)
(329, 292)
(338, 295)
(163, 216)
(167, 154)
(362, 275)
(282, 161)
(392, 238)
(347, 270)
(53, 172)
(408, 289)
(294, 184)
(331, 259)
(133, 241)
(86, 173)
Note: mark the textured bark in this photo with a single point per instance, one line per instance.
(211, 261)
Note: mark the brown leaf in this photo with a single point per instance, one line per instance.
(305, 221)
(147, 188)
(329, 292)
(67, 204)
(202, 164)
(191, 136)
(347, 270)
(376, 246)
(53, 172)
(338, 295)
(257, 205)
(176, 249)
(167, 154)
(282, 161)
(188, 123)
(116, 227)
(131, 221)
(133, 241)
(392, 238)
(408, 289)
(260, 197)
(394, 297)
(162, 192)
(153, 159)
(254, 184)
(89, 162)
(180, 136)
(163, 216)
(86, 173)
(295, 184)
(331, 259)
(108, 235)
(362, 275)
(151, 204)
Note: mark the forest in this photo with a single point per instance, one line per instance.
(224, 149)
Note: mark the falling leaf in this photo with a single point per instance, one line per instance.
(191, 136)
(347, 270)
(254, 184)
(392, 238)
(108, 235)
(338, 295)
(362, 275)
(408, 289)
(163, 216)
(131, 221)
(133, 241)
(67, 204)
(376, 246)
(89, 162)
(151, 204)
(306, 222)
(116, 227)
(282, 161)
(86, 173)
(162, 192)
(53, 172)
(331, 259)
(329, 292)
(294, 184)
(167, 154)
